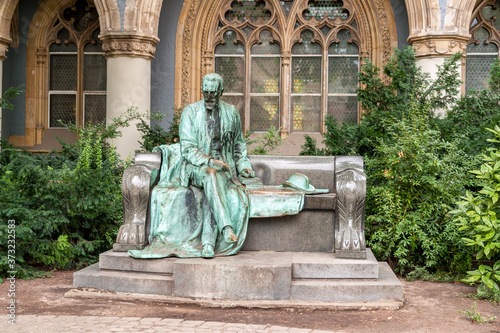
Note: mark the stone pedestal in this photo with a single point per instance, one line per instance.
(251, 275)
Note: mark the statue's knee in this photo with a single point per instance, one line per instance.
(211, 171)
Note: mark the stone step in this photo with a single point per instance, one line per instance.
(121, 261)
(386, 287)
(314, 265)
(305, 265)
(143, 283)
(246, 276)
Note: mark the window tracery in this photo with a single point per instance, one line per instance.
(77, 67)
(288, 63)
(483, 47)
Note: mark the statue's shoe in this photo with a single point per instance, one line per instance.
(229, 236)
(207, 251)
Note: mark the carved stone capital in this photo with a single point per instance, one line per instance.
(438, 45)
(117, 45)
(4, 46)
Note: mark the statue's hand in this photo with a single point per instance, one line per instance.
(219, 165)
(247, 173)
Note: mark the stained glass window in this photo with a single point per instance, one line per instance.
(288, 63)
(483, 48)
(77, 70)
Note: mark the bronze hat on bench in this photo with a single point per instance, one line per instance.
(300, 182)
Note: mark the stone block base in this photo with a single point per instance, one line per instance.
(249, 275)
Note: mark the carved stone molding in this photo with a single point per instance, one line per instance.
(4, 46)
(439, 45)
(129, 45)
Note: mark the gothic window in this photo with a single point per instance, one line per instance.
(77, 67)
(288, 63)
(483, 47)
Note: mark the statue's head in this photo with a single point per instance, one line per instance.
(212, 87)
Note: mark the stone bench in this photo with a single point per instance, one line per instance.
(328, 222)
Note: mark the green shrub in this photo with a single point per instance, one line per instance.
(266, 143)
(385, 100)
(67, 206)
(413, 180)
(339, 139)
(155, 135)
(477, 217)
(467, 121)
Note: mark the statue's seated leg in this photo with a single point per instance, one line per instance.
(215, 187)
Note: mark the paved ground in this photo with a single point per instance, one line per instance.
(54, 324)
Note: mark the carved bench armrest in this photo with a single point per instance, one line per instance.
(137, 182)
(350, 185)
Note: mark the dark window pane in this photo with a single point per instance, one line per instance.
(332, 9)
(343, 46)
(63, 72)
(343, 74)
(94, 78)
(230, 47)
(237, 101)
(266, 47)
(306, 75)
(265, 75)
(264, 112)
(477, 71)
(232, 70)
(62, 37)
(62, 107)
(306, 46)
(343, 108)
(248, 10)
(306, 113)
(95, 108)
(482, 35)
(97, 46)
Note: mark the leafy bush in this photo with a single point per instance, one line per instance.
(477, 217)
(467, 121)
(267, 143)
(338, 139)
(67, 206)
(386, 100)
(155, 135)
(414, 178)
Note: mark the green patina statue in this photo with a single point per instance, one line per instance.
(200, 201)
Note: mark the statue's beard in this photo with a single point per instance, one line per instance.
(210, 103)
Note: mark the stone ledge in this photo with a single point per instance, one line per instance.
(93, 293)
(386, 287)
(310, 265)
(121, 261)
(122, 281)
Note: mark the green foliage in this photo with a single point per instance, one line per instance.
(493, 296)
(386, 100)
(494, 81)
(413, 179)
(67, 206)
(267, 143)
(476, 111)
(9, 94)
(338, 140)
(155, 135)
(477, 217)
(474, 316)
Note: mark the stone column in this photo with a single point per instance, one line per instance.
(128, 83)
(433, 50)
